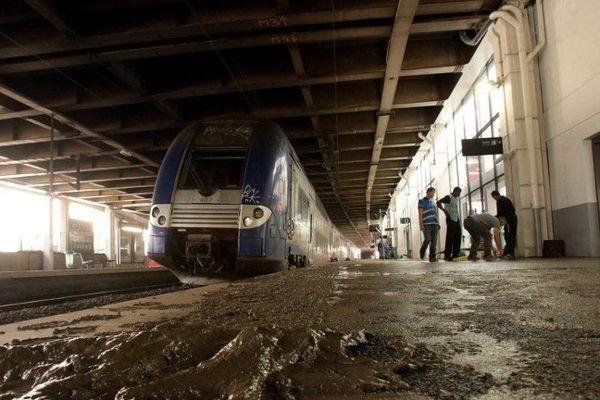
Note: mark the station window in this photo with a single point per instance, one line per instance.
(26, 221)
(477, 117)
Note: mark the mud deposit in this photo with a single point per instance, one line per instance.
(374, 330)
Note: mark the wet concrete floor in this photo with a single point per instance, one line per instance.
(360, 329)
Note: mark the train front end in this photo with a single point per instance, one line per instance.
(202, 204)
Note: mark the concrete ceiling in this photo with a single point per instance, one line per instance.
(351, 82)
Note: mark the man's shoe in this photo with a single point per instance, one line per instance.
(433, 260)
(509, 257)
(489, 258)
(422, 254)
(473, 258)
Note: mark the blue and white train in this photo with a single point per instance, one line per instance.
(232, 198)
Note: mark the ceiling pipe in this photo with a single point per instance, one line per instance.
(429, 141)
(539, 7)
(479, 34)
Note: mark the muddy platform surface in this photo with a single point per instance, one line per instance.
(356, 330)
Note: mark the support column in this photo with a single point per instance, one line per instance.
(49, 245)
(522, 137)
(64, 225)
(116, 229)
(111, 245)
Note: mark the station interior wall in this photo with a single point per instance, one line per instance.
(569, 71)
(568, 103)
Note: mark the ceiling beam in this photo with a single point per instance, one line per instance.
(211, 26)
(261, 40)
(94, 197)
(133, 80)
(9, 92)
(124, 201)
(97, 180)
(105, 188)
(56, 158)
(212, 88)
(450, 7)
(57, 17)
(396, 48)
(165, 50)
(73, 171)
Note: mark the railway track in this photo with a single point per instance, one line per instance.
(80, 296)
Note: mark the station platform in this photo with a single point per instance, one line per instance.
(362, 329)
(24, 286)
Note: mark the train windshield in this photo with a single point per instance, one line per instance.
(217, 159)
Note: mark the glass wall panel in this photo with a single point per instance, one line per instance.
(453, 174)
(462, 172)
(483, 102)
(451, 140)
(490, 203)
(476, 202)
(501, 185)
(469, 117)
(473, 171)
(459, 127)
(495, 92)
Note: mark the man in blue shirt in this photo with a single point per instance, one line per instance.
(428, 221)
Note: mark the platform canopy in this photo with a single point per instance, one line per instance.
(352, 83)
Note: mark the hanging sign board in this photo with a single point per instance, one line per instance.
(374, 228)
(481, 147)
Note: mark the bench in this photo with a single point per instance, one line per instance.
(101, 260)
(79, 262)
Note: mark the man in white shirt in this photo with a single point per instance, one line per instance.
(450, 205)
(479, 226)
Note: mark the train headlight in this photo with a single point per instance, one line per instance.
(247, 221)
(258, 213)
(162, 220)
(155, 212)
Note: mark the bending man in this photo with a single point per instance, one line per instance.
(478, 226)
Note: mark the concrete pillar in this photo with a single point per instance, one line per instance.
(519, 176)
(49, 245)
(116, 229)
(64, 224)
(111, 245)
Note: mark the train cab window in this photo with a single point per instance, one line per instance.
(210, 169)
